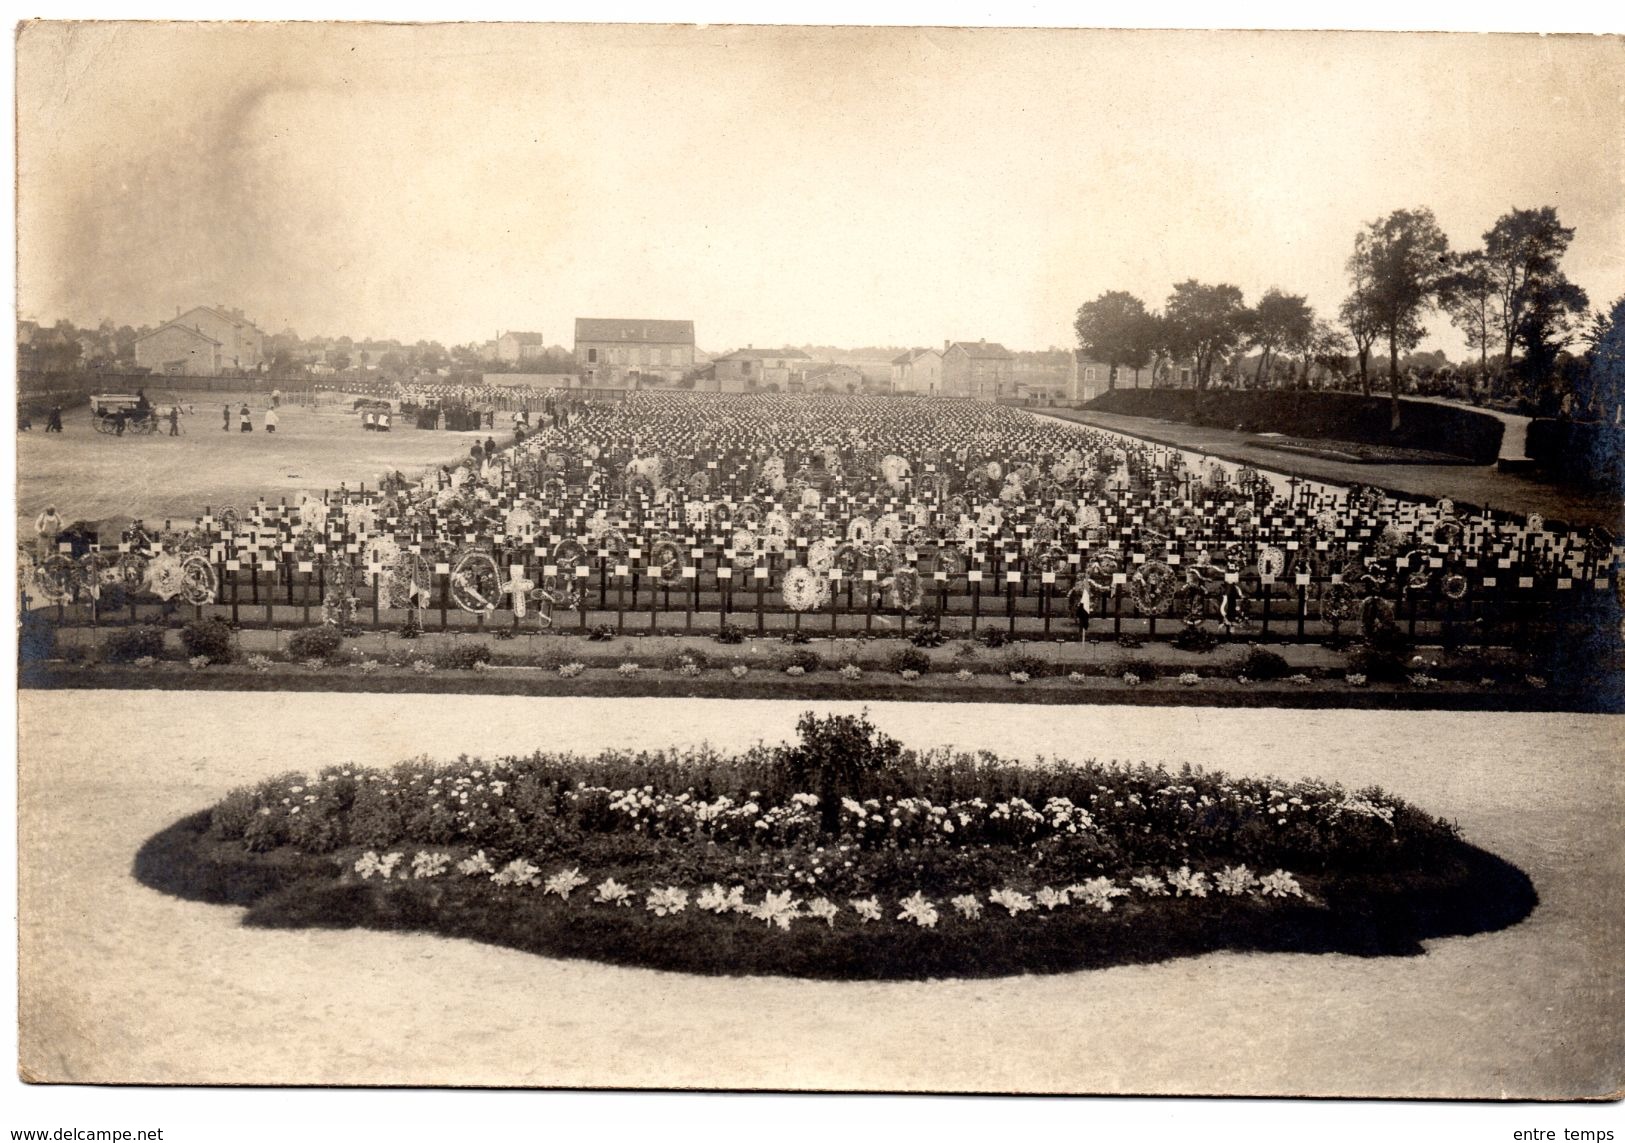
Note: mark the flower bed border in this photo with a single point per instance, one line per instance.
(873, 685)
(1372, 915)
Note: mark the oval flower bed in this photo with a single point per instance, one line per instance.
(840, 856)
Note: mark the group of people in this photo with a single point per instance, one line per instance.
(245, 418)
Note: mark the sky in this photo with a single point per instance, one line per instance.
(775, 185)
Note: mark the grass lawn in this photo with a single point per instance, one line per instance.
(96, 477)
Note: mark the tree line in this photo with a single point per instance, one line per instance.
(1508, 296)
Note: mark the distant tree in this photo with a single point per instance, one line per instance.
(1606, 362)
(1472, 302)
(1204, 323)
(1535, 302)
(1550, 323)
(339, 360)
(1110, 329)
(1408, 259)
(1357, 312)
(1278, 321)
(1328, 350)
(1146, 342)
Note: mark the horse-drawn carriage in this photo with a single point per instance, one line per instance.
(119, 413)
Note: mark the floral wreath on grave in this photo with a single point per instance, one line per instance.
(776, 532)
(665, 560)
(1376, 614)
(165, 575)
(558, 592)
(950, 562)
(228, 519)
(907, 590)
(1271, 561)
(199, 586)
(408, 580)
(132, 571)
(858, 529)
(746, 548)
(849, 559)
(1048, 558)
(54, 577)
(1454, 587)
(476, 582)
(1535, 522)
(93, 572)
(1447, 533)
(804, 589)
(747, 515)
(722, 516)
(821, 556)
(338, 609)
(1152, 588)
(520, 520)
(883, 558)
(1388, 541)
(569, 553)
(699, 483)
(889, 529)
(1337, 602)
(697, 515)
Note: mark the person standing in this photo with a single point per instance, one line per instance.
(271, 419)
(47, 527)
(174, 420)
(225, 419)
(276, 398)
(245, 419)
(54, 425)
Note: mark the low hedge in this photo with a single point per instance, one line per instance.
(1582, 452)
(856, 881)
(1319, 416)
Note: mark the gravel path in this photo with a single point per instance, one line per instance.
(122, 984)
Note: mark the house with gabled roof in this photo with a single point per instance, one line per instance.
(981, 370)
(520, 345)
(623, 352)
(750, 368)
(917, 371)
(239, 345)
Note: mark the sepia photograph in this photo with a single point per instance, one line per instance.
(809, 559)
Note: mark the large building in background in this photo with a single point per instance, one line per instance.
(202, 342)
(917, 371)
(981, 370)
(621, 352)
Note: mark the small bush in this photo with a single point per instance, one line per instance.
(731, 633)
(1197, 639)
(140, 642)
(315, 642)
(1130, 642)
(466, 657)
(795, 638)
(909, 659)
(210, 638)
(686, 660)
(839, 755)
(1383, 658)
(1142, 670)
(928, 634)
(994, 637)
(413, 627)
(1262, 664)
(808, 661)
(1026, 663)
(602, 633)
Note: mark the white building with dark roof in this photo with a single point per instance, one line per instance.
(618, 352)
